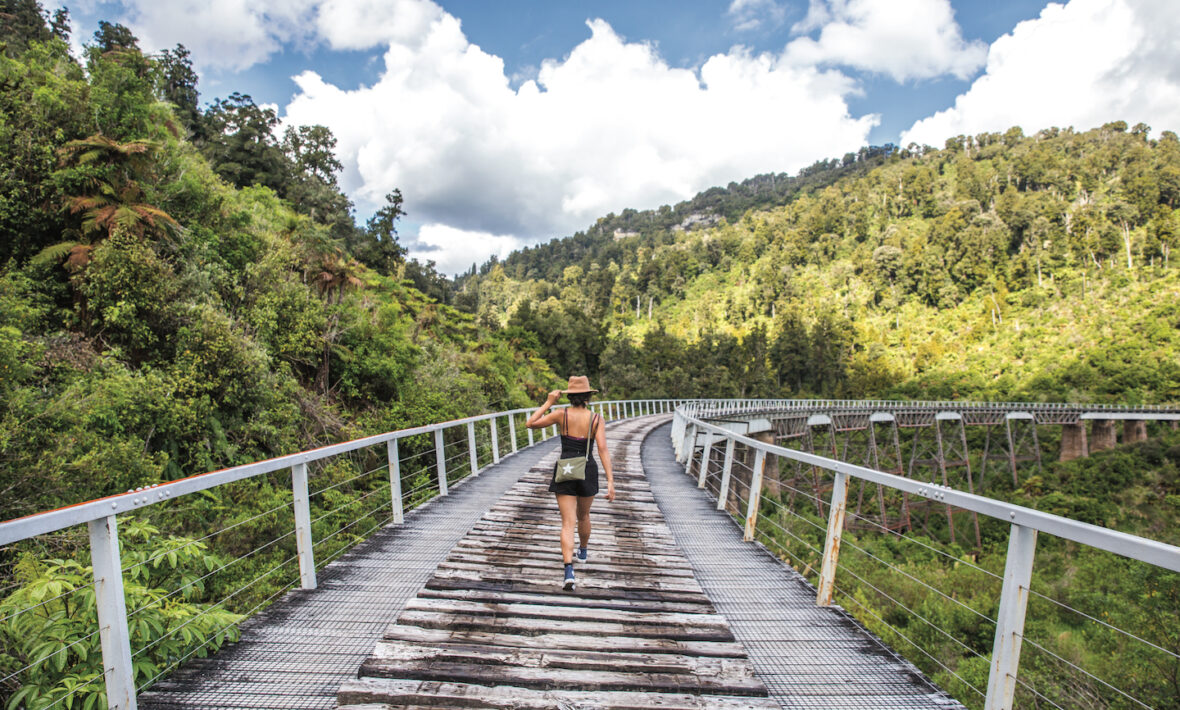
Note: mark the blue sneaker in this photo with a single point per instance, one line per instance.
(569, 581)
(582, 555)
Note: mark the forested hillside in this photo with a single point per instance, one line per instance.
(1001, 266)
(183, 289)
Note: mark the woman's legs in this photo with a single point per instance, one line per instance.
(583, 520)
(569, 506)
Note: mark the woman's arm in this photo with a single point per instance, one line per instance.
(604, 454)
(538, 419)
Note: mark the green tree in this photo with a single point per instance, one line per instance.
(113, 37)
(176, 83)
(238, 138)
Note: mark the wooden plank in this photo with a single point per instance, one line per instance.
(611, 660)
(555, 640)
(563, 599)
(533, 627)
(536, 578)
(553, 561)
(473, 581)
(563, 613)
(402, 693)
(547, 678)
(477, 543)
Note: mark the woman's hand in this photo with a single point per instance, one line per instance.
(610, 491)
(553, 397)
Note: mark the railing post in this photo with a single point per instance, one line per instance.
(723, 490)
(495, 441)
(690, 443)
(755, 495)
(703, 469)
(303, 542)
(395, 480)
(112, 613)
(827, 573)
(472, 450)
(1001, 681)
(440, 456)
(512, 430)
(530, 435)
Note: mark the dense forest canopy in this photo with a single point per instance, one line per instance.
(1000, 266)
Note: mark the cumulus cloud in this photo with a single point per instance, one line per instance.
(237, 34)
(1081, 64)
(904, 39)
(611, 125)
(230, 34)
(750, 15)
(454, 250)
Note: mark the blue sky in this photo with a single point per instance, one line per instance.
(512, 122)
(526, 32)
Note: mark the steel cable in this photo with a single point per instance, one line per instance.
(211, 607)
(212, 636)
(370, 472)
(12, 675)
(1106, 624)
(205, 576)
(1084, 672)
(908, 640)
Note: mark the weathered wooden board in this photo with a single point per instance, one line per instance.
(562, 599)
(565, 613)
(556, 678)
(416, 634)
(494, 629)
(394, 693)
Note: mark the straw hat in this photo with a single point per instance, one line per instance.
(579, 384)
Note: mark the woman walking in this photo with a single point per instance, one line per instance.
(580, 430)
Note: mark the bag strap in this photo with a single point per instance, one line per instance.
(590, 436)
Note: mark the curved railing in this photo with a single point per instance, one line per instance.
(701, 429)
(459, 448)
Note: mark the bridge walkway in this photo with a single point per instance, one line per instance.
(494, 629)
(667, 614)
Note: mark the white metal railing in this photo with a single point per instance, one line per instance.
(692, 429)
(101, 515)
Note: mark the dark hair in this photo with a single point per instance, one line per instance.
(579, 399)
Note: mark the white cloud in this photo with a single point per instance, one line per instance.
(1081, 64)
(455, 250)
(905, 39)
(361, 24)
(237, 34)
(750, 15)
(231, 34)
(610, 126)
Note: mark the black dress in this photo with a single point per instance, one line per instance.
(572, 446)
